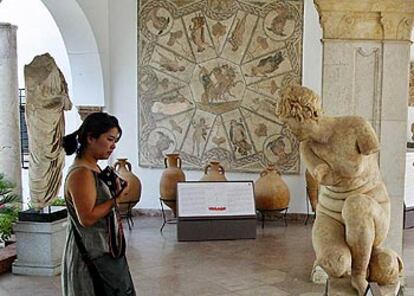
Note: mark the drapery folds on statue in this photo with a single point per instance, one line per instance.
(46, 100)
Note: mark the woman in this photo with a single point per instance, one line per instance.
(92, 263)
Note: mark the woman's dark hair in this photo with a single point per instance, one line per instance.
(94, 125)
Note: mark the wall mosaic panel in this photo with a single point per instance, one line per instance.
(411, 86)
(209, 75)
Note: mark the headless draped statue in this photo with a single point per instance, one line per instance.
(353, 211)
(46, 100)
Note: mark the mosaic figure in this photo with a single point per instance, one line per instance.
(279, 22)
(159, 22)
(198, 33)
(199, 135)
(238, 137)
(236, 37)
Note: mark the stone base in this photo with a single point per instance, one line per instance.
(39, 270)
(39, 247)
(48, 214)
(342, 287)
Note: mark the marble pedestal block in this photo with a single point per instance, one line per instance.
(342, 287)
(39, 247)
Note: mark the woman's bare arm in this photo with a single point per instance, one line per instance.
(81, 186)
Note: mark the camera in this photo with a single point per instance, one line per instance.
(110, 177)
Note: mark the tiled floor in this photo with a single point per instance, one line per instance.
(277, 263)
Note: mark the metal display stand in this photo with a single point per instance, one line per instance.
(263, 212)
(165, 220)
(128, 214)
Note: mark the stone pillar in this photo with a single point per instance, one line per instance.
(9, 110)
(366, 55)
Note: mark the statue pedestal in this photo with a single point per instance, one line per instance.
(342, 287)
(39, 245)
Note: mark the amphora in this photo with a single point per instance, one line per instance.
(271, 192)
(214, 172)
(128, 201)
(168, 183)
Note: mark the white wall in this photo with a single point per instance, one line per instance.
(122, 75)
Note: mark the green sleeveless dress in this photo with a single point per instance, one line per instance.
(76, 280)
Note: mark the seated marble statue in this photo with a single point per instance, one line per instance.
(353, 212)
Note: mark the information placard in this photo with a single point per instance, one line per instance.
(215, 199)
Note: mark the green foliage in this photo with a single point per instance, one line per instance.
(6, 192)
(8, 216)
(9, 208)
(59, 202)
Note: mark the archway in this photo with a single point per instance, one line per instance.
(84, 57)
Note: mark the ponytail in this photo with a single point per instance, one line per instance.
(70, 143)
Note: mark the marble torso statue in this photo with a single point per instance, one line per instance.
(353, 211)
(46, 100)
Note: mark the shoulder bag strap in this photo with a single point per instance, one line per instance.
(116, 236)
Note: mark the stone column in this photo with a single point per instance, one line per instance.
(9, 110)
(366, 54)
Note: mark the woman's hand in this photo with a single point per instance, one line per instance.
(121, 189)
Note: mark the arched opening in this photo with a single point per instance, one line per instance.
(82, 51)
(62, 29)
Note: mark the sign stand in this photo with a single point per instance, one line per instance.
(215, 210)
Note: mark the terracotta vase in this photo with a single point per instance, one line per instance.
(214, 172)
(168, 184)
(126, 202)
(271, 192)
(312, 189)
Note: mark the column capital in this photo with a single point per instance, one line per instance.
(366, 20)
(7, 26)
(86, 110)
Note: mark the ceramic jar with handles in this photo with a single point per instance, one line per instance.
(168, 183)
(214, 172)
(124, 169)
(271, 192)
